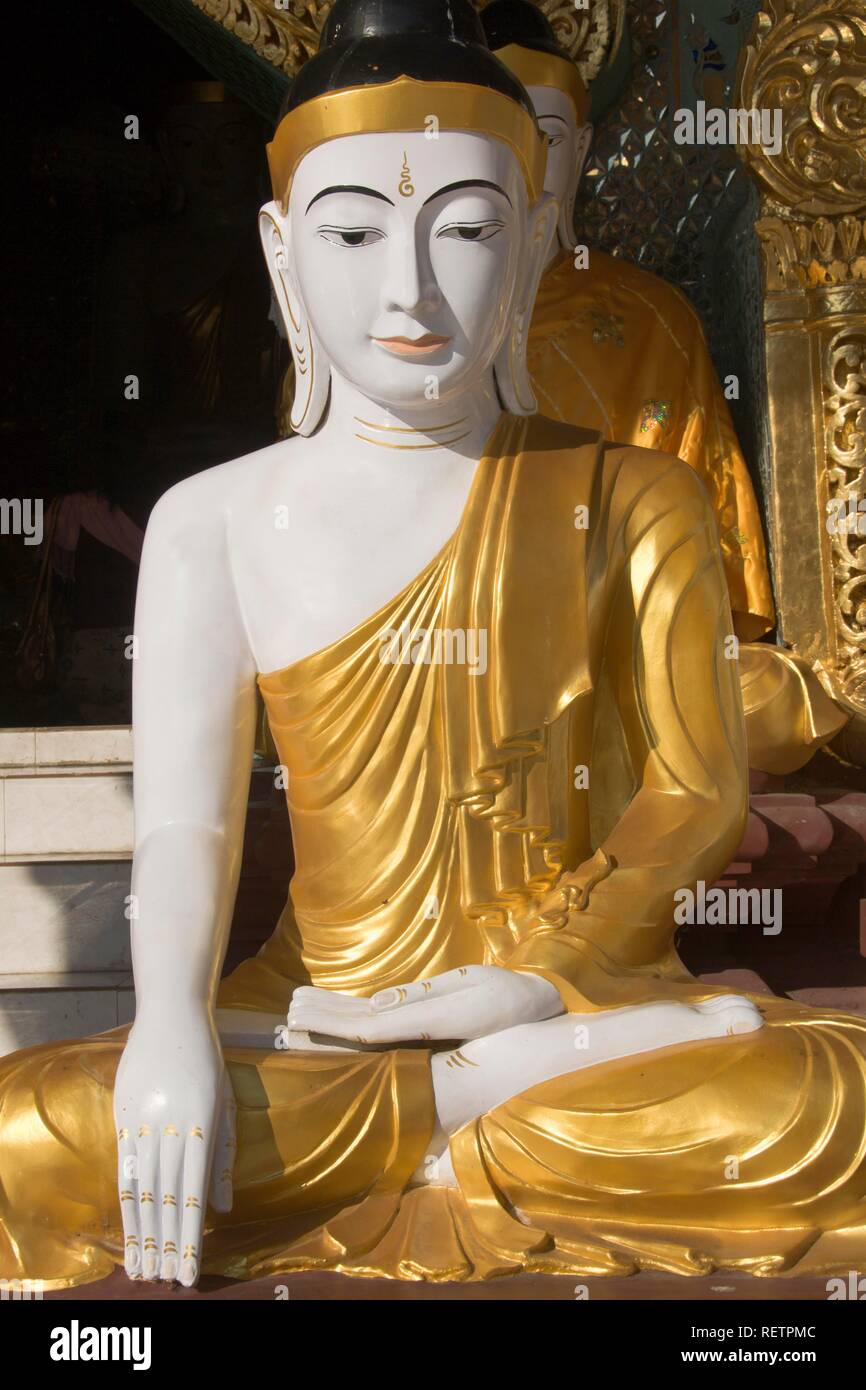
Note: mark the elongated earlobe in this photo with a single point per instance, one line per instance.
(510, 368)
(566, 213)
(312, 367)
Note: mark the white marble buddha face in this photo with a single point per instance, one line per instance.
(405, 254)
(568, 147)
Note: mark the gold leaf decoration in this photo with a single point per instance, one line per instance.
(807, 58)
(845, 419)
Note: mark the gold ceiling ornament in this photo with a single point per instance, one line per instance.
(808, 58)
(286, 32)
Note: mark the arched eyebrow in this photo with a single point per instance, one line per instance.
(351, 188)
(469, 183)
(553, 117)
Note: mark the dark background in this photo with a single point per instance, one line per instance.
(88, 211)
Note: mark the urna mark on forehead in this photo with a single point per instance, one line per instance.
(430, 112)
(408, 171)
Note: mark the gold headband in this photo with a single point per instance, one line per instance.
(537, 69)
(406, 104)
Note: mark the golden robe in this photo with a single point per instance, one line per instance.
(413, 783)
(619, 350)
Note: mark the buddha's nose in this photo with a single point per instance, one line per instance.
(409, 284)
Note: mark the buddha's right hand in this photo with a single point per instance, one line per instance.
(175, 1119)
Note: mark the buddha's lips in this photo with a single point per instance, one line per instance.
(413, 347)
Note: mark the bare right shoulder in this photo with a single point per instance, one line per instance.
(197, 511)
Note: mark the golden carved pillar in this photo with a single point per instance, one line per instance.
(808, 58)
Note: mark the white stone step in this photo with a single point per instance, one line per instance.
(31, 1016)
(66, 839)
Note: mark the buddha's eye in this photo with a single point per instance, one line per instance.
(351, 237)
(554, 140)
(471, 231)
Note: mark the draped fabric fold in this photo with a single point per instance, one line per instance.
(530, 798)
(620, 349)
(789, 715)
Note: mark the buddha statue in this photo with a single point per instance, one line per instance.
(621, 350)
(492, 650)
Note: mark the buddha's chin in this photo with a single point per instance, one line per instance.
(405, 381)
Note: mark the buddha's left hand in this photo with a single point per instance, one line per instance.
(470, 1002)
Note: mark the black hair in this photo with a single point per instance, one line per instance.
(519, 21)
(371, 42)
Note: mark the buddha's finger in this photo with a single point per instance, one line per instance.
(398, 995)
(326, 1005)
(127, 1184)
(225, 1148)
(148, 1212)
(299, 1041)
(332, 1023)
(472, 1013)
(305, 1009)
(171, 1177)
(419, 1022)
(437, 987)
(195, 1173)
(329, 998)
(424, 1020)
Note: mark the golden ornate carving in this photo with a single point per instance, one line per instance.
(591, 37)
(802, 254)
(287, 36)
(845, 411)
(808, 58)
